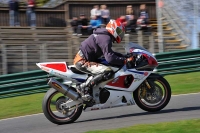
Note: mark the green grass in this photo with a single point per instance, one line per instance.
(22, 105)
(184, 126)
(184, 83)
(31, 104)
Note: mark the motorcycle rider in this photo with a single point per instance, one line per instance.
(96, 45)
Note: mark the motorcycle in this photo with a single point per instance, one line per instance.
(135, 83)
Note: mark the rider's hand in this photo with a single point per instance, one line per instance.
(129, 59)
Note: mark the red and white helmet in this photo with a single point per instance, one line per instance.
(117, 29)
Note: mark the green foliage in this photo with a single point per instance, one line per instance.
(41, 2)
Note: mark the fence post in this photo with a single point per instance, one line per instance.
(24, 56)
(159, 5)
(140, 38)
(66, 7)
(43, 52)
(151, 43)
(4, 59)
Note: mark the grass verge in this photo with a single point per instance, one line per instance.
(31, 104)
(184, 126)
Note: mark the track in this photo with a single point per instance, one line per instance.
(179, 108)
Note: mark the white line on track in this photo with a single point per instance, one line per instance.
(42, 113)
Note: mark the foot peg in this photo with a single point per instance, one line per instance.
(87, 97)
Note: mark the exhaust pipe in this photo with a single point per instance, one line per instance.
(64, 89)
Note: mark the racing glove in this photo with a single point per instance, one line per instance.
(130, 59)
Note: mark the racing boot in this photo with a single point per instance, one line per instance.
(83, 89)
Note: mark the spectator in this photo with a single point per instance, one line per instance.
(83, 27)
(105, 14)
(14, 12)
(95, 23)
(74, 25)
(143, 14)
(30, 12)
(129, 12)
(130, 19)
(96, 12)
(122, 19)
(131, 24)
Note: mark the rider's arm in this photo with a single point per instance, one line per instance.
(111, 56)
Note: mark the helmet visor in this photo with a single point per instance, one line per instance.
(120, 32)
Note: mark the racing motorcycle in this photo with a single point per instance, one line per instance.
(135, 83)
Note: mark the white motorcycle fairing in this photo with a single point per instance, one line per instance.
(115, 86)
(134, 83)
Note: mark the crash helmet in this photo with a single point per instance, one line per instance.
(116, 29)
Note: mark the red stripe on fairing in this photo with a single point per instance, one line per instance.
(58, 66)
(118, 82)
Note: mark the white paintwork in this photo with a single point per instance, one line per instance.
(116, 93)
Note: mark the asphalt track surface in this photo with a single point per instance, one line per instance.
(180, 107)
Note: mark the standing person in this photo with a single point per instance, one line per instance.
(30, 12)
(13, 13)
(130, 19)
(96, 45)
(129, 12)
(105, 14)
(96, 12)
(143, 14)
(16, 13)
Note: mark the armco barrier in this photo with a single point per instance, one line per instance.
(35, 81)
(178, 62)
(23, 83)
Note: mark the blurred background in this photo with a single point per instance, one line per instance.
(34, 31)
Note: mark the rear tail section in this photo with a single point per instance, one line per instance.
(61, 70)
(58, 69)
(55, 66)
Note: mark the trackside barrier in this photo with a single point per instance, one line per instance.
(24, 83)
(178, 62)
(31, 82)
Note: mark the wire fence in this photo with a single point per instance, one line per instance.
(188, 12)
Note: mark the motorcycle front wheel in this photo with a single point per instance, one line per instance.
(155, 98)
(54, 110)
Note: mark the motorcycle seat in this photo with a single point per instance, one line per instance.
(74, 70)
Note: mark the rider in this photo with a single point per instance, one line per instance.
(96, 45)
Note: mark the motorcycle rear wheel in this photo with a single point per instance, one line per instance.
(157, 99)
(54, 112)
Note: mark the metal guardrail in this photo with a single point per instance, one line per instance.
(178, 62)
(31, 82)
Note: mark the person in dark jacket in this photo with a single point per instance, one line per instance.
(96, 45)
(13, 12)
(143, 14)
(74, 25)
(83, 26)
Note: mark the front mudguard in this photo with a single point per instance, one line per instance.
(154, 76)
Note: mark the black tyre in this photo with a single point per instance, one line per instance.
(57, 114)
(153, 99)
